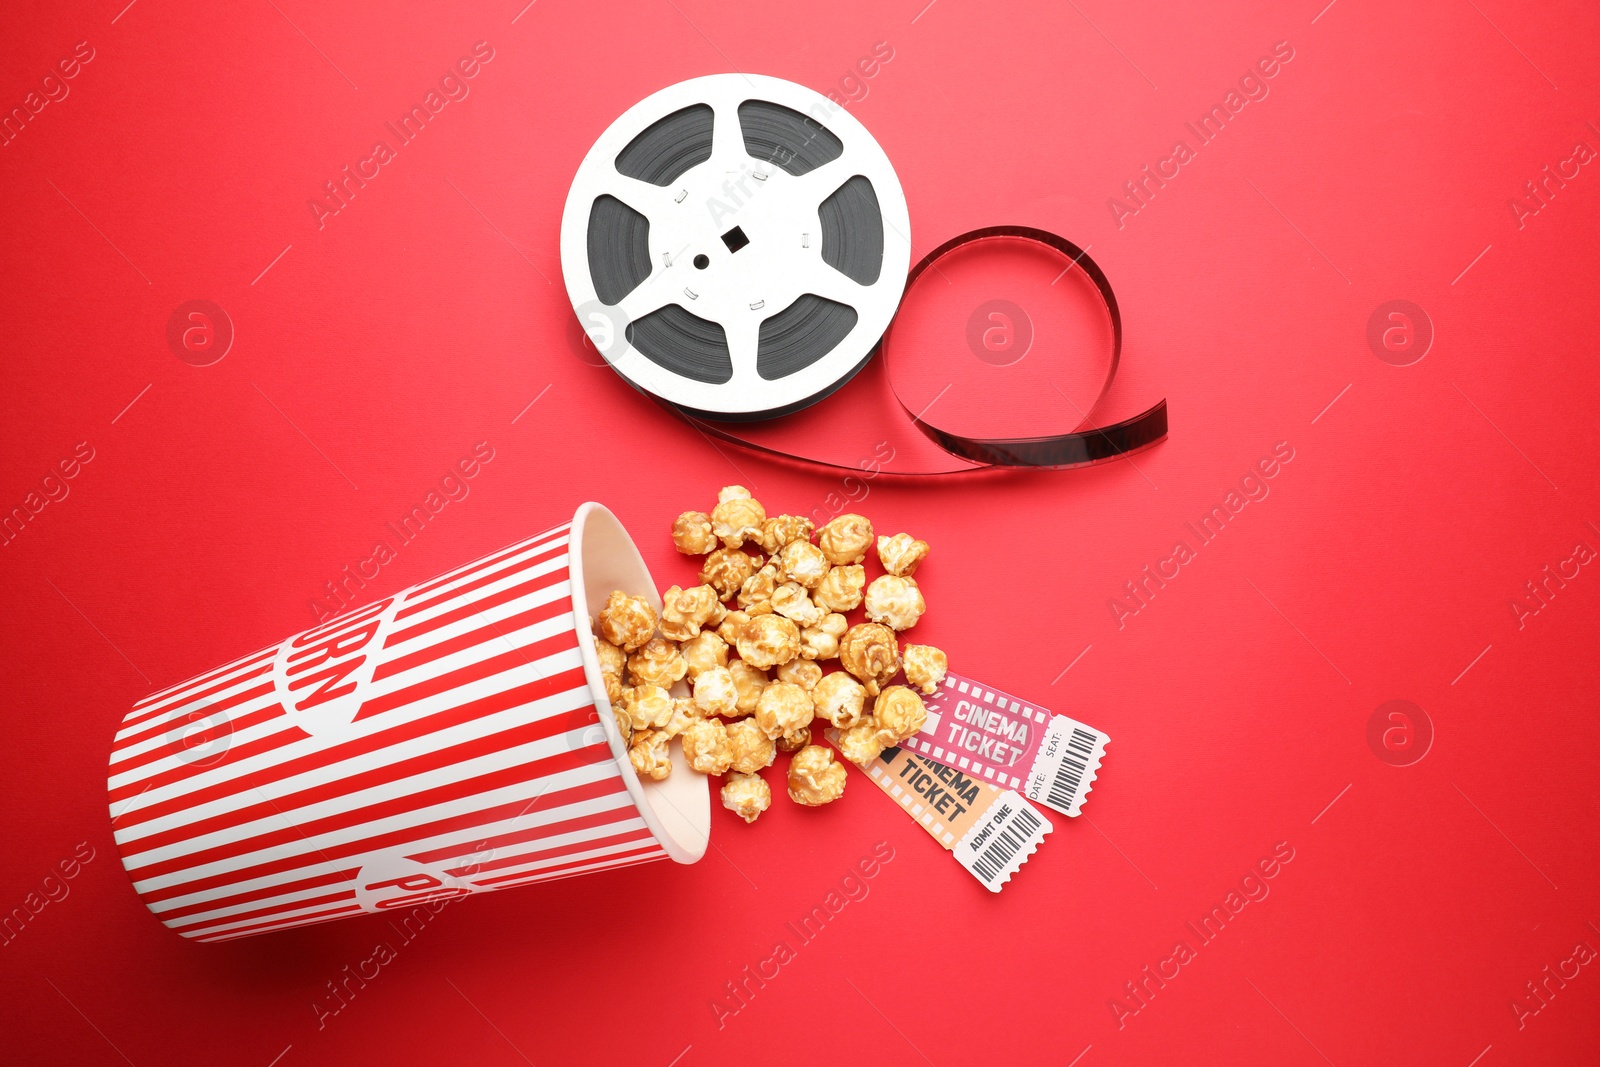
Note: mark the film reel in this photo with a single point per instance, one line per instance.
(736, 245)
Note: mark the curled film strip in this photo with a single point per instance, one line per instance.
(736, 248)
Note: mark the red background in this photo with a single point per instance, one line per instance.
(429, 312)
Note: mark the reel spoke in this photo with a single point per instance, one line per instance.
(815, 186)
(653, 294)
(825, 281)
(651, 201)
(744, 338)
(727, 138)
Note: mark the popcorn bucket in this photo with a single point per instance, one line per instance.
(452, 739)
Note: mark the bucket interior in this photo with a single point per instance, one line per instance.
(603, 558)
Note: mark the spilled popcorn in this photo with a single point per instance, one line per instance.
(766, 648)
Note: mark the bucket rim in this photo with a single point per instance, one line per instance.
(689, 844)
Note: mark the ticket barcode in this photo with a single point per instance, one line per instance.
(1003, 849)
(997, 847)
(1064, 770)
(1064, 786)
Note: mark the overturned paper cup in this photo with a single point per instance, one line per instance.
(452, 739)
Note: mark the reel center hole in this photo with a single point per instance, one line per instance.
(735, 239)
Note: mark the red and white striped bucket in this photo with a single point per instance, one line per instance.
(452, 739)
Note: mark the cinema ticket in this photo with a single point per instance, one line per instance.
(1004, 740)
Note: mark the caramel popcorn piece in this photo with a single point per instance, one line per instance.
(715, 692)
(841, 588)
(612, 659)
(732, 492)
(751, 683)
(895, 602)
(626, 621)
(732, 625)
(869, 652)
(839, 699)
(706, 746)
(901, 553)
(801, 672)
(701, 654)
(900, 713)
(782, 529)
(795, 740)
(684, 712)
(755, 595)
(862, 743)
(656, 663)
(803, 562)
(650, 756)
(726, 569)
(613, 662)
(768, 640)
(926, 667)
(685, 611)
(822, 640)
(814, 777)
(752, 748)
(846, 539)
(737, 520)
(648, 707)
(783, 709)
(793, 602)
(746, 795)
(691, 533)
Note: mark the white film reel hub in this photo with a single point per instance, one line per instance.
(734, 240)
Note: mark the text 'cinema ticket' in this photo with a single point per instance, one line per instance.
(1002, 739)
(991, 832)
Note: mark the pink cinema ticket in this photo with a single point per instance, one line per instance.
(1005, 740)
